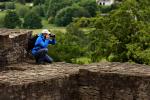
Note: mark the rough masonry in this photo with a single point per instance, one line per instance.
(13, 46)
(63, 81)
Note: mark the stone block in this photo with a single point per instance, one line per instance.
(13, 46)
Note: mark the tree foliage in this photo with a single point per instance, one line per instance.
(21, 1)
(53, 6)
(32, 21)
(38, 2)
(39, 10)
(66, 15)
(12, 20)
(123, 35)
(22, 11)
(68, 47)
(90, 6)
(9, 5)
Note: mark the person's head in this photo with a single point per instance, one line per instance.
(45, 32)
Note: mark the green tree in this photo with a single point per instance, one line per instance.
(32, 21)
(12, 20)
(123, 35)
(2, 6)
(22, 11)
(9, 5)
(66, 15)
(53, 6)
(29, 0)
(90, 6)
(38, 2)
(21, 1)
(68, 47)
(2, 21)
(39, 10)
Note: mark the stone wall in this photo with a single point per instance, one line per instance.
(62, 81)
(13, 44)
(40, 82)
(115, 81)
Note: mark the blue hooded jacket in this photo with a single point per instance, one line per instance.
(41, 43)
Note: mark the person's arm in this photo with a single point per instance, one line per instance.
(41, 43)
(53, 41)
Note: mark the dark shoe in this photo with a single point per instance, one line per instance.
(36, 60)
(39, 62)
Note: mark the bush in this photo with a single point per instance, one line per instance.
(105, 9)
(2, 6)
(90, 6)
(22, 11)
(123, 35)
(51, 20)
(10, 5)
(21, 1)
(2, 21)
(12, 20)
(39, 10)
(68, 47)
(53, 6)
(84, 22)
(66, 15)
(5, 0)
(32, 21)
(38, 2)
(63, 50)
(29, 1)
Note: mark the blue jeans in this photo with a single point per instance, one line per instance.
(42, 56)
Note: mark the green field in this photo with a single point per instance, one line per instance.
(2, 13)
(51, 27)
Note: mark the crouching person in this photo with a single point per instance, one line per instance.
(40, 49)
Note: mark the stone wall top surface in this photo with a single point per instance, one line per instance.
(120, 68)
(12, 33)
(28, 73)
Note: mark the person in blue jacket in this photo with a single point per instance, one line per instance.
(40, 49)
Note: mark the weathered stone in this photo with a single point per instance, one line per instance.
(115, 81)
(13, 46)
(43, 82)
(62, 81)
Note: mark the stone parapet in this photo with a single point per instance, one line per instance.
(13, 46)
(62, 81)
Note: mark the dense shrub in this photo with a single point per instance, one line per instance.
(39, 10)
(84, 22)
(12, 20)
(66, 15)
(10, 5)
(5, 0)
(2, 21)
(2, 6)
(51, 20)
(38, 2)
(21, 1)
(90, 6)
(123, 35)
(29, 0)
(22, 11)
(53, 6)
(32, 21)
(68, 47)
(106, 9)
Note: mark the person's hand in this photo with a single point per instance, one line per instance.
(47, 36)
